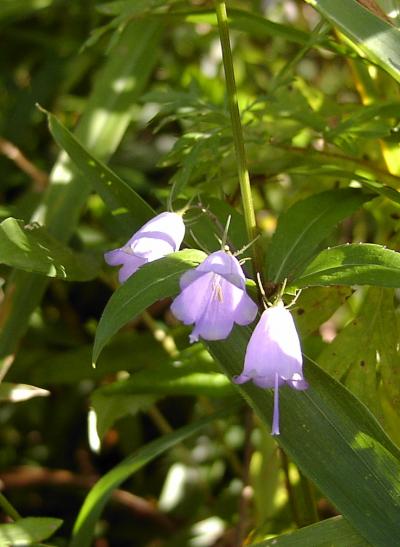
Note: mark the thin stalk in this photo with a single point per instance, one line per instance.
(237, 131)
(8, 508)
(310, 502)
(289, 489)
(246, 490)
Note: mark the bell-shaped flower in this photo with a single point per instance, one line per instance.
(273, 356)
(214, 297)
(159, 237)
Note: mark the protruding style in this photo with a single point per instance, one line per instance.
(273, 356)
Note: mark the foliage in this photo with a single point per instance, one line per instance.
(115, 430)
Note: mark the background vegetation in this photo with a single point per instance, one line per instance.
(183, 459)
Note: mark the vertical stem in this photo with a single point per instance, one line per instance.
(243, 173)
(8, 508)
(289, 489)
(244, 498)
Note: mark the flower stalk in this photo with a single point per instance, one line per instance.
(237, 131)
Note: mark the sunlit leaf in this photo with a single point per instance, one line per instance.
(353, 264)
(33, 249)
(28, 530)
(304, 226)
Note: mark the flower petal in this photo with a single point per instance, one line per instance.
(152, 248)
(167, 226)
(225, 265)
(159, 237)
(190, 304)
(246, 310)
(130, 267)
(274, 347)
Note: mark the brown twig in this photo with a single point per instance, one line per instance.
(28, 476)
(39, 177)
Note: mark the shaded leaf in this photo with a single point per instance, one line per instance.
(363, 481)
(101, 492)
(150, 283)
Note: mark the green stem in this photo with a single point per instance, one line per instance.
(8, 508)
(237, 131)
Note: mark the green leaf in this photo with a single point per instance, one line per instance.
(107, 114)
(304, 226)
(363, 479)
(33, 249)
(317, 305)
(28, 530)
(153, 281)
(20, 392)
(109, 409)
(129, 209)
(376, 38)
(18, 9)
(101, 492)
(246, 21)
(364, 354)
(128, 351)
(167, 380)
(355, 264)
(335, 531)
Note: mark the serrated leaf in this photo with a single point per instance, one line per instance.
(304, 226)
(28, 530)
(153, 281)
(101, 492)
(33, 249)
(355, 264)
(363, 479)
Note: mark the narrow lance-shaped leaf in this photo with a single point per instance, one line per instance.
(337, 529)
(106, 117)
(33, 249)
(363, 481)
(303, 227)
(101, 492)
(153, 281)
(374, 36)
(129, 209)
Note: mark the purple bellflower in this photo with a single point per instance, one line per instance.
(159, 237)
(273, 356)
(214, 297)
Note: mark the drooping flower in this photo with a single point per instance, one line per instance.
(214, 297)
(273, 356)
(159, 237)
